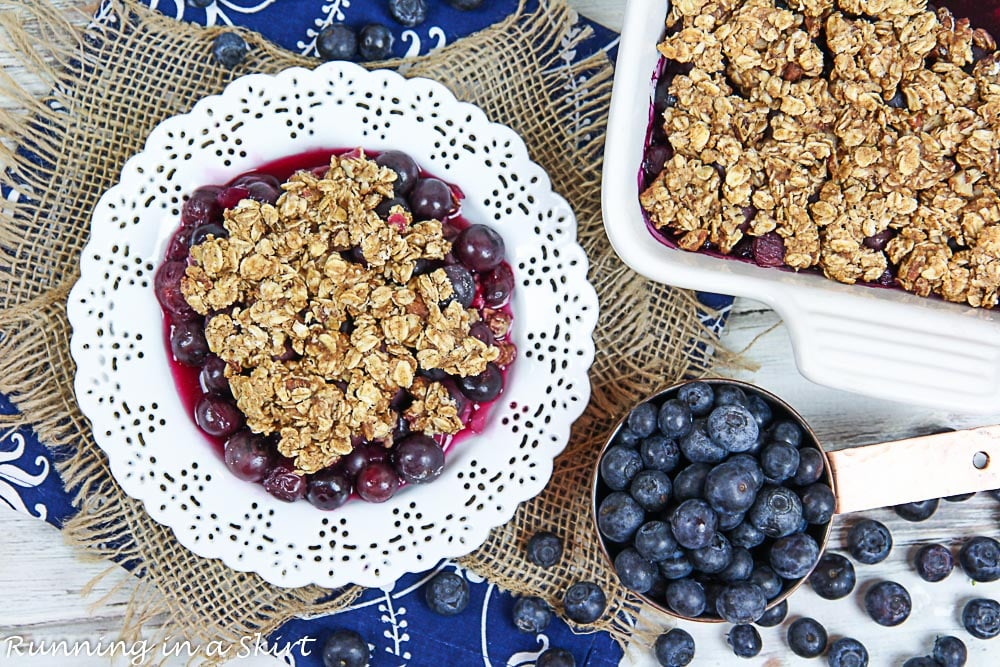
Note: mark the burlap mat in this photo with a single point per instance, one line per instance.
(111, 84)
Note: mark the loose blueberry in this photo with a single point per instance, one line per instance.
(810, 467)
(619, 466)
(328, 490)
(694, 524)
(674, 418)
(377, 482)
(730, 488)
(229, 49)
(217, 416)
(760, 410)
(745, 641)
(689, 483)
(746, 535)
(806, 637)
(544, 549)
(950, 651)
(792, 557)
(714, 557)
(408, 12)
(776, 512)
(642, 420)
(686, 597)
(920, 510)
(659, 452)
(768, 580)
(698, 447)
(981, 617)
(818, 504)
(484, 387)
(847, 652)
(375, 42)
(834, 577)
(733, 428)
(285, 484)
(674, 648)
(741, 602)
(933, 562)
(555, 657)
(532, 614)
(634, 571)
(447, 593)
(779, 461)
(418, 459)
(655, 541)
(786, 431)
(651, 489)
(774, 615)
(699, 396)
(407, 171)
(248, 456)
(888, 603)
(584, 602)
(619, 517)
(980, 558)
(346, 648)
(740, 566)
(869, 541)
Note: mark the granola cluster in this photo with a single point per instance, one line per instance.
(318, 346)
(863, 133)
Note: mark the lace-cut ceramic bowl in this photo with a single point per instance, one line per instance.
(123, 380)
(880, 342)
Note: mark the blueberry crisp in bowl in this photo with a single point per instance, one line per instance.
(312, 295)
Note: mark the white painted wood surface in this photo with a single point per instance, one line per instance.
(42, 578)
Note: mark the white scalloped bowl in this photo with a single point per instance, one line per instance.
(123, 380)
(880, 342)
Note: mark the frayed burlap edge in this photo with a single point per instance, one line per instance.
(648, 334)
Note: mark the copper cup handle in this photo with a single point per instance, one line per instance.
(902, 471)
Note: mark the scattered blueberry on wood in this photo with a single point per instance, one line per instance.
(806, 637)
(674, 648)
(847, 652)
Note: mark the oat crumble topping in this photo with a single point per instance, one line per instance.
(864, 133)
(317, 346)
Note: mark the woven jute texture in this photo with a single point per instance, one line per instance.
(111, 83)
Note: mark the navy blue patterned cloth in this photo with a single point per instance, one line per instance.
(397, 623)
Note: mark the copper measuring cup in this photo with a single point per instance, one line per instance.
(866, 477)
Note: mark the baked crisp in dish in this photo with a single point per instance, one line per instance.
(855, 137)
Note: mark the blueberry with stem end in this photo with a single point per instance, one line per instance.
(806, 637)
(619, 466)
(981, 617)
(229, 49)
(694, 524)
(408, 12)
(834, 577)
(847, 652)
(651, 489)
(674, 648)
(730, 488)
(888, 603)
(980, 559)
(337, 41)
(532, 614)
(544, 549)
(699, 396)
(777, 511)
(584, 602)
(659, 452)
(869, 541)
(733, 428)
(447, 593)
(933, 562)
(949, 651)
(346, 648)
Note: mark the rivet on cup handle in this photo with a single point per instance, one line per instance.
(902, 471)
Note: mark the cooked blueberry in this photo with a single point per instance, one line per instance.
(779, 461)
(698, 447)
(776, 512)
(346, 648)
(532, 614)
(384, 209)
(686, 597)
(642, 419)
(792, 557)
(462, 284)
(714, 557)
(676, 566)
(818, 503)
(408, 12)
(869, 541)
(981, 617)
(555, 657)
(167, 287)
(418, 459)
(188, 344)
(619, 516)
(950, 651)
(786, 431)
(733, 428)
(544, 549)
(407, 171)
(768, 580)
(212, 376)
(584, 602)
(328, 489)
(847, 652)
(497, 285)
(834, 577)
(229, 49)
(746, 535)
(690, 481)
(655, 541)
(774, 615)
(447, 593)
(745, 640)
(651, 489)
(659, 452)
(247, 455)
(217, 416)
(810, 467)
(466, 5)
(888, 603)
(694, 524)
(980, 558)
(202, 207)
(674, 648)
(210, 229)
(674, 418)
(933, 562)
(740, 565)
(619, 466)
(375, 42)
(806, 637)
(741, 602)
(699, 397)
(920, 510)
(484, 387)
(478, 247)
(730, 488)
(760, 409)
(285, 484)
(634, 571)
(377, 482)
(432, 199)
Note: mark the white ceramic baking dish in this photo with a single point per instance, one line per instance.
(879, 342)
